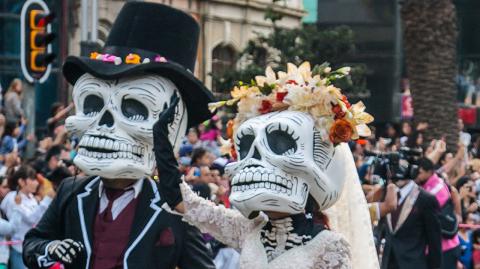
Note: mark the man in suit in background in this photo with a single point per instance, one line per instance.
(413, 235)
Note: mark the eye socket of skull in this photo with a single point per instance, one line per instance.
(244, 145)
(92, 105)
(133, 109)
(281, 139)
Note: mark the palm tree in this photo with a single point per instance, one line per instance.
(430, 36)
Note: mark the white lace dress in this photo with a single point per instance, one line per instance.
(327, 250)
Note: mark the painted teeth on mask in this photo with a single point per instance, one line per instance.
(254, 178)
(126, 150)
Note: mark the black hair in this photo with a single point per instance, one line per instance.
(197, 154)
(24, 172)
(220, 168)
(54, 151)
(461, 181)
(54, 107)
(476, 236)
(426, 164)
(59, 174)
(412, 139)
(10, 127)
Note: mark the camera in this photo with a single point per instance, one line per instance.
(398, 165)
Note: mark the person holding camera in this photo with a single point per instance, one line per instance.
(413, 227)
(430, 182)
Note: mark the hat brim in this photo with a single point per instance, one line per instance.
(195, 95)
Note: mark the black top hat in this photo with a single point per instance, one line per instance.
(167, 37)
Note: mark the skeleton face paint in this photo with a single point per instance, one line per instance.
(282, 159)
(115, 120)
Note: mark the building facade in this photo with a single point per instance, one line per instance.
(226, 27)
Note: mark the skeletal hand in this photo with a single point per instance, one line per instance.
(65, 251)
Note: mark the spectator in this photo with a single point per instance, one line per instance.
(467, 190)
(58, 175)
(435, 185)
(476, 248)
(466, 244)
(407, 238)
(13, 101)
(200, 185)
(212, 131)
(53, 158)
(200, 157)
(406, 132)
(58, 114)
(193, 138)
(21, 199)
(4, 189)
(11, 141)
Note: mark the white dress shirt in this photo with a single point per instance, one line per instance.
(121, 202)
(405, 191)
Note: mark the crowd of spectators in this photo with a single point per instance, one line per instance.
(458, 169)
(28, 178)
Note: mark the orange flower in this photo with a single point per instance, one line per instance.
(341, 131)
(233, 153)
(230, 129)
(132, 58)
(93, 55)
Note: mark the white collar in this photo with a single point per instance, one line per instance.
(405, 191)
(137, 188)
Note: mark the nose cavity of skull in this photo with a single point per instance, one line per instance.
(256, 154)
(107, 119)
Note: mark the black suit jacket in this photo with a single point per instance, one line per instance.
(72, 214)
(417, 228)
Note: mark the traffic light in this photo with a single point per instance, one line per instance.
(36, 39)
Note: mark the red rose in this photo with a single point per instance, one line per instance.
(345, 101)
(341, 131)
(338, 111)
(266, 107)
(280, 96)
(291, 81)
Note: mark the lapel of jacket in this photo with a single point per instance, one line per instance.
(407, 207)
(389, 223)
(148, 209)
(87, 207)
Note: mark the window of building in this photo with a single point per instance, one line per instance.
(223, 59)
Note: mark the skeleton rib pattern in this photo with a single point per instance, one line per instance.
(280, 236)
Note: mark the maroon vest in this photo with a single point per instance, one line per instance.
(110, 238)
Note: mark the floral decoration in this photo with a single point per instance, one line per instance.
(131, 58)
(302, 89)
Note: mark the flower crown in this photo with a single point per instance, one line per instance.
(305, 90)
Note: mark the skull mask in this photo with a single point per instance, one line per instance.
(115, 119)
(282, 159)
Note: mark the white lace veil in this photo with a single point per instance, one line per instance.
(351, 218)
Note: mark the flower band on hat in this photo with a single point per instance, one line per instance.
(131, 58)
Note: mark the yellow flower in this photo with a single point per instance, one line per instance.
(305, 71)
(213, 106)
(225, 146)
(269, 77)
(359, 118)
